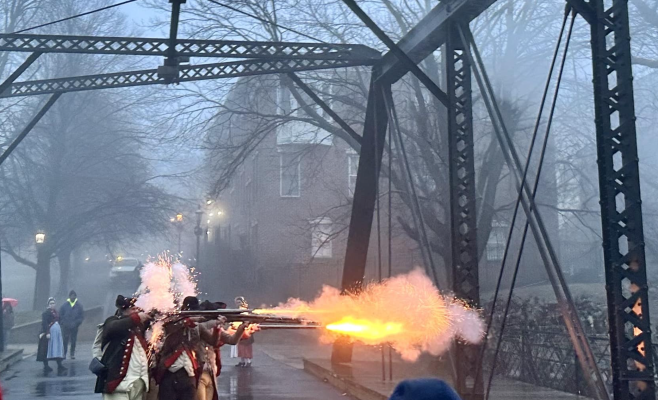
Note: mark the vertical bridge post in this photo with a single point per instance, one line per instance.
(463, 218)
(363, 202)
(621, 209)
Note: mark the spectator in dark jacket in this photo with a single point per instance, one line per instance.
(424, 389)
(7, 320)
(71, 315)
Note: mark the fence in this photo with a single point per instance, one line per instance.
(548, 359)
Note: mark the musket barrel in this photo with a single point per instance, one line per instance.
(287, 326)
(237, 315)
(227, 311)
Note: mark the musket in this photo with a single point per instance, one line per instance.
(245, 315)
(286, 326)
(225, 311)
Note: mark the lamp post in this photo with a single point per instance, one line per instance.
(218, 214)
(178, 222)
(198, 232)
(42, 266)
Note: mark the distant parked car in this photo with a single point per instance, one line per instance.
(126, 269)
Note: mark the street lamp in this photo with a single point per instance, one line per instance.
(178, 221)
(40, 237)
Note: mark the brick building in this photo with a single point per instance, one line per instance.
(287, 206)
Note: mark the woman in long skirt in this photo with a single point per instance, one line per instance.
(245, 346)
(246, 349)
(51, 345)
(241, 304)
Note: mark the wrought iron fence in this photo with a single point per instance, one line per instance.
(548, 359)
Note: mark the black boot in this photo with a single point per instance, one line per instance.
(60, 368)
(46, 368)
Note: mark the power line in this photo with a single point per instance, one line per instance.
(266, 21)
(76, 16)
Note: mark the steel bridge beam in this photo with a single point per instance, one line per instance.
(365, 189)
(621, 204)
(184, 47)
(463, 218)
(400, 55)
(33, 122)
(583, 8)
(186, 74)
(403, 57)
(19, 71)
(355, 138)
(429, 34)
(363, 202)
(419, 43)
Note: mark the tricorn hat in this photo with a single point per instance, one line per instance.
(211, 306)
(124, 302)
(190, 303)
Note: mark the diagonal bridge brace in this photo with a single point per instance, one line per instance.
(186, 74)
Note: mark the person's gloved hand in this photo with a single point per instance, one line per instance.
(424, 389)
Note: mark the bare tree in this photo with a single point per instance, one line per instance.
(81, 176)
(512, 52)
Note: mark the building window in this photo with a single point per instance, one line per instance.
(352, 168)
(496, 242)
(321, 232)
(290, 172)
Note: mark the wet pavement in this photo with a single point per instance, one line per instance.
(266, 379)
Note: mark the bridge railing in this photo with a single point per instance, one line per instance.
(547, 359)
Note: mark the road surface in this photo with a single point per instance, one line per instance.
(267, 379)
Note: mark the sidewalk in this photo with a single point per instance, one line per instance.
(10, 356)
(362, 379)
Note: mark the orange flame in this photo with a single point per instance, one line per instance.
(364, 329)
(406, 311)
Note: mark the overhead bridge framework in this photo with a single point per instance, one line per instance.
(184, 47)
(185, 74)
(445, 25)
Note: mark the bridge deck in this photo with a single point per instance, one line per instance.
(366, 377)
(366, 371)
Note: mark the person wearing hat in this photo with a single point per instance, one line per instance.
(8, 320)
(207, 386)
(126, 372)
(181, 362)
(71, 315)
(241, 304)
(424, 389)
(246, 344)
(50, 339)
